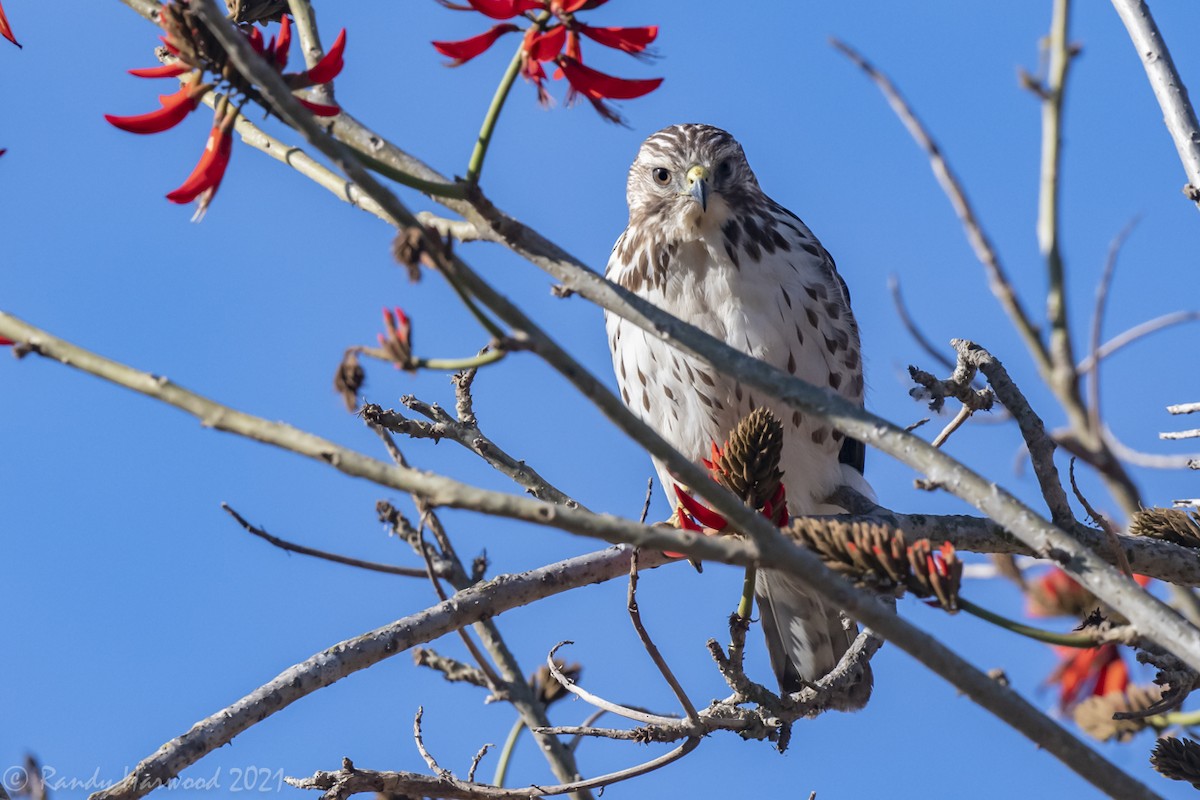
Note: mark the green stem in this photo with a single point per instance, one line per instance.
(1184, 719)
(1081, 640)
(475, 166)
(506, 753)
(456, 364)
(744, 610)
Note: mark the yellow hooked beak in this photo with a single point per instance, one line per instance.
(697, 185)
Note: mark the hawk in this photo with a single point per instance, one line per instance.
(705, 244)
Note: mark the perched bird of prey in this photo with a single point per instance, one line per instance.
(705, 244)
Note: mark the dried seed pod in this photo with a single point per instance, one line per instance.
(748, 465)
(1169, 524)
(1177, 759)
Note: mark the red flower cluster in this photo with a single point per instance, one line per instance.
(1085, 673)
(692, 515)
(196, 54)
(6, 29)
(558, 41)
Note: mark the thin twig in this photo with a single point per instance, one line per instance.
(1135, 333)
(453, 670)
(1150, 460)
(964, 414)
(910, 325)
(635, 615)
(998, 279)
(282, 544)
(1064, 379)
(475, 761)
(1108, 528)
(410, 784)
(425, 754)
(600, 702)
(472, 438)
(1106, 279)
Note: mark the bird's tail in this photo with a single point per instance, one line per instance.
(805, 638)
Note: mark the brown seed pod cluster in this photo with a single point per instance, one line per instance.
(1177, 759)
(748, 465)
(879, 556)
(1169, 524)
(1094, 716)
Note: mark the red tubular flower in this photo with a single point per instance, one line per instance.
(571, 6)
(319, 109)
(210, 169)
(463, 51)
(700, 512)
(596, 85)
(279, 48)
(162, 71)
(174, 108)
(500, 9)
(6, 29)
(546, 46)
(628, 40)
(559, 42)
(328, 67)
(1094, 672)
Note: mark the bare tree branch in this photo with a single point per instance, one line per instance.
(1168, 86)
(345, 658)
(1106, 278)
(998, 279)
(352, 781)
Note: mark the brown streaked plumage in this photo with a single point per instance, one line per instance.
(707, 245)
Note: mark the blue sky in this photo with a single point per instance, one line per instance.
(136, 607)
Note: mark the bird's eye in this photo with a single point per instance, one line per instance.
(723, 170)
(662, 175)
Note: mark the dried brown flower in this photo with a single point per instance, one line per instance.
(1094, 716)
(349, 378)
(547, 688)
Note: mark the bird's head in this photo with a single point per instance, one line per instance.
(687, 179)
